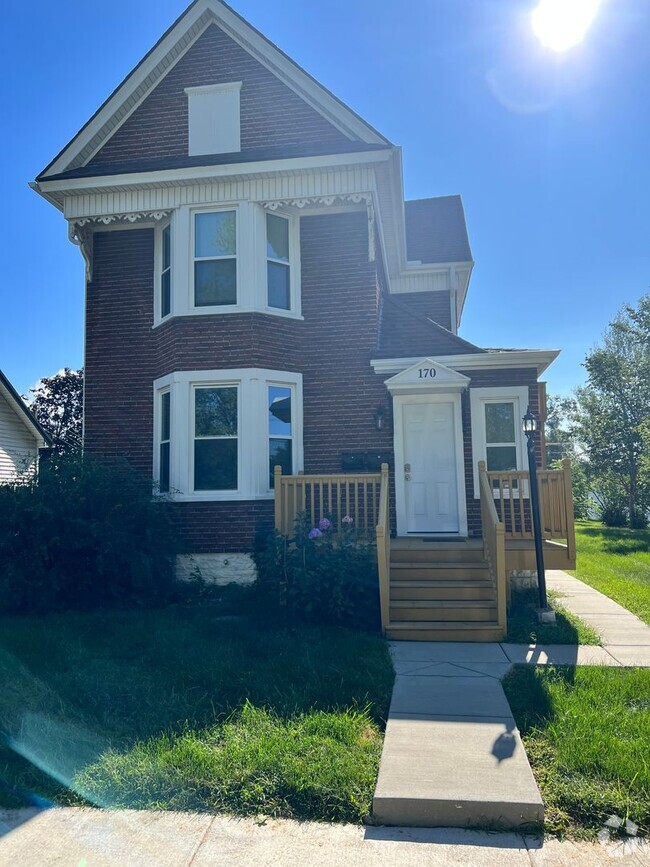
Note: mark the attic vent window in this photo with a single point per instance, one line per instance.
(213, 119)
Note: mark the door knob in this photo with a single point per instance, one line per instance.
(407, 477)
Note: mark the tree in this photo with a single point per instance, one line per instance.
(613, 409)
(57, 405)
(561, 443)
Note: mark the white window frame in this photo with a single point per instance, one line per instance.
(252, 423)
(194, 213)
(158, 271)
(293, 264)
(252, 289)
(208, 117)
(519, 396)
(197, 386)
(269, 435)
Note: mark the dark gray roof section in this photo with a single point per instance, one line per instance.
(21, 407)
(436, 231)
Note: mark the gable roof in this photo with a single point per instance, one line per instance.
(436, 231)
(15, 400)
(169, 49)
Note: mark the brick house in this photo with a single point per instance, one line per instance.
(259, 295)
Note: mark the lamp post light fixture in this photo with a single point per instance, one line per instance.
(545, 614)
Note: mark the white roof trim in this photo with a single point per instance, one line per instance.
(144, 77)
(537, 358)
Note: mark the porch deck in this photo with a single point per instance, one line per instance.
(443, 590)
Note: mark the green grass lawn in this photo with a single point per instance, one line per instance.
(616, 562)
(524, 628)
(587, 735)
(183, 708)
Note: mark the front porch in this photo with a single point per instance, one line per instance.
(442, 589)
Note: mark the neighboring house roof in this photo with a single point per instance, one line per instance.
(14, 399)
(139, 83)
(404, 332)
(436, 230)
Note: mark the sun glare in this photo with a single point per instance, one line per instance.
(561, 24)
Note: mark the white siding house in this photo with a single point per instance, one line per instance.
(20, 434)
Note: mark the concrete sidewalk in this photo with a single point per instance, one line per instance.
(93, 838)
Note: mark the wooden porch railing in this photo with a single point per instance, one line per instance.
(326, 496)
(511, 497)
(383, 548)
(494, 545)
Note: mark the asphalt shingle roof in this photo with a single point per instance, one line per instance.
(436, 230)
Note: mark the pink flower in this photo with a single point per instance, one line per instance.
(347, 520)
(314, 534)
(324, 524)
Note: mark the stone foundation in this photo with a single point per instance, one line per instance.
(218, 569)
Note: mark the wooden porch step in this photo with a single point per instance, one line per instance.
(440, 630)
(471, 611)
(465, 589)
(460, 570)
(434, 553)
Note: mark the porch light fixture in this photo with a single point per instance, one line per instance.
(379, 417)
(544, 613)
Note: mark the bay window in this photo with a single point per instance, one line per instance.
(220, 433)
(278, 268)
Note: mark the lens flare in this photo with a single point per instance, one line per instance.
(562, 24)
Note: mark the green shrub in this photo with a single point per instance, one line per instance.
(85, 534)
(321, 574)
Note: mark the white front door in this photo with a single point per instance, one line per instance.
(431, 466)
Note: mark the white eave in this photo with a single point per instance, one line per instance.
(540, 359)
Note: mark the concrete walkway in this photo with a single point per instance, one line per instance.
(93, 838)
(452, 753)
(625, 637)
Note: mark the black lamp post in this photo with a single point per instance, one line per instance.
(545, 613)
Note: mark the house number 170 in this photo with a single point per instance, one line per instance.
(427, 372)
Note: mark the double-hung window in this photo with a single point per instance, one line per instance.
(164, 447)
(280, 401)
(166, 271)
(278, 268)
(215, 258)
(497, 436)
(216, 440)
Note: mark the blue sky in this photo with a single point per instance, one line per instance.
(550, 153)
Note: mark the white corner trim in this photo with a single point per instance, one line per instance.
(540, 359)
(519, 395)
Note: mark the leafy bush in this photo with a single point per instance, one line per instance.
(321, 574)
(85, 534)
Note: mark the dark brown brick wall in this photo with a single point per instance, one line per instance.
(332, 348)
(273, 117)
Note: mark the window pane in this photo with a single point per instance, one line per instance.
(215, 465)
(164, 468)
(166, 247)
(165, 407)
(215, 234)
(277, 238)
(501, 458)
(280, 452)
(279, 411)
(278, 285)
(500, 422)
(166, 293)
(215, 412)
(215, 283)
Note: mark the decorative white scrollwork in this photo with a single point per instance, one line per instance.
(328, 202)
